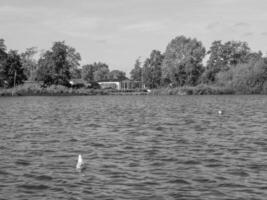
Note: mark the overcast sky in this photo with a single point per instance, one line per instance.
(119, 31)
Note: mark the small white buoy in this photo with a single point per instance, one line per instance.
(220, 112)
(80, 164)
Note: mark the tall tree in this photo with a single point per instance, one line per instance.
(223, 56)
(88, 72)
(54, 66)
(95, 72)
(182, 64)
(13, 70)
(102, 72)
(136, 73)
(3, 53)
(29, 63)
(76, 73)
(45, 71)
(152, 69)
(116, 75)
(73, 58)
(2, 45)
(3, 56)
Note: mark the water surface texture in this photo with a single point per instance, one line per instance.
(135, 147)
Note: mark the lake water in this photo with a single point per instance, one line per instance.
(135, 147)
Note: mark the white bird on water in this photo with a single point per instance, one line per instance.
(80, 164)
(220, 112)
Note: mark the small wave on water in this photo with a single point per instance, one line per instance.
(139, 147)
(33, 187)
(22, 162)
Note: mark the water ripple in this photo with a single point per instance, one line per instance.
(135, 147)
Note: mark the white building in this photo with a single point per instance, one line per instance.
(122, 85)
(112, 85)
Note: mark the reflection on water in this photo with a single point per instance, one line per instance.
(135, 147)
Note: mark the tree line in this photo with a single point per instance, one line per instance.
(228, 64)
(56, 66)
(231, 65)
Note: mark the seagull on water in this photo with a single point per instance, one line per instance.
(80, 164)
(220, 112)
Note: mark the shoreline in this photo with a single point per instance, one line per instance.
(58, 90)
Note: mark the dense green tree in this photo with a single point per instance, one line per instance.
(3, 56)
(224, 56)
(88, 72)
(117, 75)
(245, 78)
(12, 70)
(29, 63)
(45, 71)
(60, 61)
(95, 72)
(253, 56)
(76, 73)
(102, 72)
(152, 70)
(73, 58)
(182, 64)
(54, 66)
(136, 73)
(2, 45)
(3, 53)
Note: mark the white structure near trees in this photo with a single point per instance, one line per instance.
(122, 85)
(112, 85)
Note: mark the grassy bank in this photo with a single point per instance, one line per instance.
(57, 90)
(54, 90)
(197, 90)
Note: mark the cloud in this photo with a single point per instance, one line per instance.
(213, 25)
(10, 14)
(11, 10)
(144, 26)
(247, 34)
(219, 27)
(241, 24)
(101, 41)
(73, 26)
(72, 22)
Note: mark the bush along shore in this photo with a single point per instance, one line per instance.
(53, 90)
(196, 90)
(204, 89)
(58, 90)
